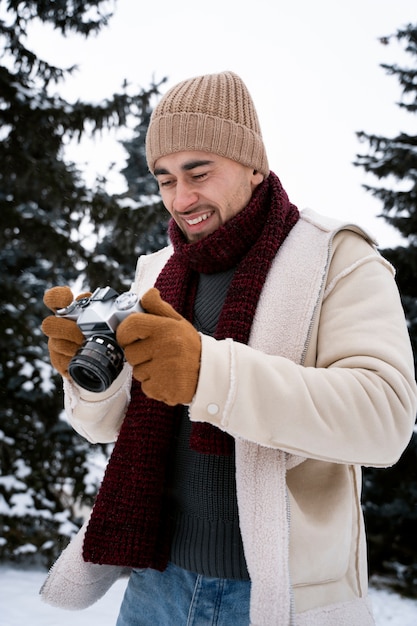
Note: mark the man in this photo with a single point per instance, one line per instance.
(272, 361)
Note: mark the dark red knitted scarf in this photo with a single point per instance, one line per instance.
(130, 525)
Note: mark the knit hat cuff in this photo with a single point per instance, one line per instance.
(176, 132)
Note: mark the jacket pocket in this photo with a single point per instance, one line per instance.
(322, 504)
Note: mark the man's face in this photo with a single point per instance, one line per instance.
(202, 190)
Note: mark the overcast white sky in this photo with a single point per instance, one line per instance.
(312, 67)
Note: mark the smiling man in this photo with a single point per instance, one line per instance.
(203, 193)
(272, 361)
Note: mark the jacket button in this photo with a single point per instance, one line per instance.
(212, 409)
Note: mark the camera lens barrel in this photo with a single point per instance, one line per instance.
(97, 363)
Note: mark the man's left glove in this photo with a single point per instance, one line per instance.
(164, 350)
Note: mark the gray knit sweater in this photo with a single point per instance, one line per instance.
(206, 536)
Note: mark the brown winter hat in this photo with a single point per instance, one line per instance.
(213, 113)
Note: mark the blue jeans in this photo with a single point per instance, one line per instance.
(181, 598)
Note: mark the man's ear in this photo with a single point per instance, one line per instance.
(257, 178)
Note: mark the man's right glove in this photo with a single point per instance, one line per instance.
(65, 337)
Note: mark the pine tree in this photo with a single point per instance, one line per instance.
(134, 222)
(143, 187)
(44, 205)
(390, 495)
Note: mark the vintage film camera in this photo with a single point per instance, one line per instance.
(100, 359)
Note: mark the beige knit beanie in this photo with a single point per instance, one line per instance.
(213, 113)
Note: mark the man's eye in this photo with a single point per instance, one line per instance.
(165, 183)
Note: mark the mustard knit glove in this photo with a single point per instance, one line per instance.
(163, 349)
(65, 337)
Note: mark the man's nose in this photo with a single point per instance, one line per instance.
(185, 197)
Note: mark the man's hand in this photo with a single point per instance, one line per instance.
(65, 338)
(164, 350)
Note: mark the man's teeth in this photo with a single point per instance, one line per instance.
(197, 220)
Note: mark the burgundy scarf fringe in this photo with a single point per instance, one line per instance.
(130, 525)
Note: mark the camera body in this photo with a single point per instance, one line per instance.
(100, 359)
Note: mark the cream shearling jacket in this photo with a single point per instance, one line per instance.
(325, 386)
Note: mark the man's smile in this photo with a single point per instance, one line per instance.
(193, 221)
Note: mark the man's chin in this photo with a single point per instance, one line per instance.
(198, 235)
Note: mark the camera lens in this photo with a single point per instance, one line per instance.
(97, 364)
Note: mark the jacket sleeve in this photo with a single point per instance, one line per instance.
(353, 402)
(98, 416)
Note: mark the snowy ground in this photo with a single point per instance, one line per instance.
(20, 605)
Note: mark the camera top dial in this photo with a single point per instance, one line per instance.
(126, 301)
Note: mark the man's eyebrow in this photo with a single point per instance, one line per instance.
(160, 170)
(186, 167)
(190, 165)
